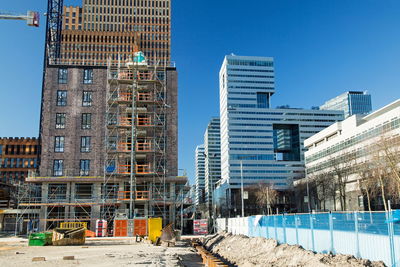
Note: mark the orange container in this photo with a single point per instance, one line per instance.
(140, 227)
(120, 227)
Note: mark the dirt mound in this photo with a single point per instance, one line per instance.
(258, 251)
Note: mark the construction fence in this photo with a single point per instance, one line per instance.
(369, 235)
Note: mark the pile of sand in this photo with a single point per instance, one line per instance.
(258, 251)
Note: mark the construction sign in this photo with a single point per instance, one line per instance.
(200, 227)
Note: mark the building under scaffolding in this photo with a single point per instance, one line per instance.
(108, 128)
(125, 168)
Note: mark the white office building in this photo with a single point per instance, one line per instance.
(212, 151)
(200, 175)
(268, 142)
(345, 145)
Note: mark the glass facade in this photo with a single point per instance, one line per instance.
(351, 103)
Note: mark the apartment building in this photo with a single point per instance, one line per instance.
(88, 106)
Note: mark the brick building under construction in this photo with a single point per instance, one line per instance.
(108, 125)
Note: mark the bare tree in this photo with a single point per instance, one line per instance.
(367, 181)
(342, 167)
(266, 197)
(324, 185)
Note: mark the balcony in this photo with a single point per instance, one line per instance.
(138, 195)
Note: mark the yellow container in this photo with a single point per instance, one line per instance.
(154, 228)
(71, 225)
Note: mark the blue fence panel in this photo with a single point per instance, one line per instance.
(344, 233)
(322, 236)
(279, 229)
(374, 236)
(290, 228)
(304, 231)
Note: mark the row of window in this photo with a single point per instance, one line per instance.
(59, 144)
(86, 121)
(12, 177)
(18, 149)
(344, 144)
(63, 76)
(62, 98)
(58, 167)
(18, 163)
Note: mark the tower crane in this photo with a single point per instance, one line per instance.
(32, 17)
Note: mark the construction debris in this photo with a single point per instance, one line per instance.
(168, 236)
(69, 258)
(38, 259)
(65, 237)
(257, 251)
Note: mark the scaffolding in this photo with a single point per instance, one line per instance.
(135, 138)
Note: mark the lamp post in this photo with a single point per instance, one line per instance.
(241, 179)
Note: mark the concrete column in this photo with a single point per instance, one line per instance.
(172, 198)
(95, 213)
(69, 210)
(43, 209)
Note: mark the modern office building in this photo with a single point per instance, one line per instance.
(110, 29)
(266, 142)
(200, 175)
(351, 102)
(212, 151)
(349, 149)
(109, 115)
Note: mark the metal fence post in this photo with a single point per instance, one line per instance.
(331, 232)
(276, 231)
(312, 232)
(297, 228)
(284, 228)
(267, 226)
(389, 219)
(356, 233)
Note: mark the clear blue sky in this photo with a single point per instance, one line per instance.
(321, 49)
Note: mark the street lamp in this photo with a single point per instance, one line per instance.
(241, 186)
(241, 180)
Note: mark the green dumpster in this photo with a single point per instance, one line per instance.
(40, 239)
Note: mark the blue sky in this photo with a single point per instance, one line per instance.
(321, 49)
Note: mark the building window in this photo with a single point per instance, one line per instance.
(59, 144)
(58, 167)
(87, 99)
(60, 120)
(62, 76)
(61, 98)
(87, 76)
(84, 167)
(85, 143)
(86, 120)
(262, 100)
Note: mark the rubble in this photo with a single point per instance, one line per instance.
(258, 251)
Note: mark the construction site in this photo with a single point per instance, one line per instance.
(108, 124)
